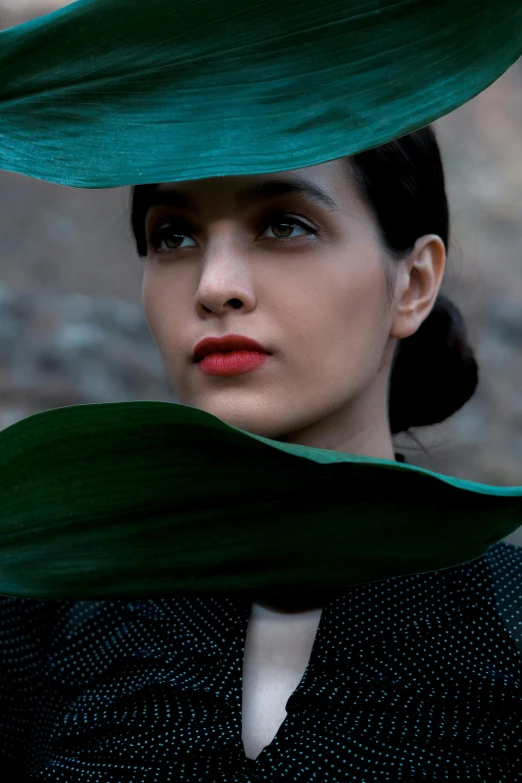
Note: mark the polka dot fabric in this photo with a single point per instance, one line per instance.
(410, 679)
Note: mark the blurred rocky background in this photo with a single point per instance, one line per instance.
(72, 330)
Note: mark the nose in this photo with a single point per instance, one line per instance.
(225, 281)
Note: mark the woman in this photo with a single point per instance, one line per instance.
(334, 270)
(373, 229)
(413, 678)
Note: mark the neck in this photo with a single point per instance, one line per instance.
(360, 427)
(298, 602)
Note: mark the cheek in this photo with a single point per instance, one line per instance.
(347, 324)
(164, 312)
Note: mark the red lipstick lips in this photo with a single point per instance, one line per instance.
(229, 355)
(230, 342)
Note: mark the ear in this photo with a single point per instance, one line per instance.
(417, 284)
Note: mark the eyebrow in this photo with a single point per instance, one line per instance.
(259, 191)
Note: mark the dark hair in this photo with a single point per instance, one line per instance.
(434, 372)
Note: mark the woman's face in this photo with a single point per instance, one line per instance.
(292, 260)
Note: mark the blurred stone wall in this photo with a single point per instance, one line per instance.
(72, 329)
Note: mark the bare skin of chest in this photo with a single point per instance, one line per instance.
(277, 651)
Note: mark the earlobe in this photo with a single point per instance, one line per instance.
(418, 285)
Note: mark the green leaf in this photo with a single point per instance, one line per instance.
(133, 499)
(104, 93)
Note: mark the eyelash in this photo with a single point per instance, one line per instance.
(166, 229)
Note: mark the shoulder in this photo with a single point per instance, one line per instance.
(504, 561)
(504, 564)
(25, 615)
(501, 566)
(27, 623)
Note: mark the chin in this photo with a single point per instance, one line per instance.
(256, 424)
(257, 418)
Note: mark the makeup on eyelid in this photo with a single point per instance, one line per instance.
(179, 227)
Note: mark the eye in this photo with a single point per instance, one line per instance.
(166, 233)
(284, 223)
(170, 236)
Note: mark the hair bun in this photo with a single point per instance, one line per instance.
(434, 372)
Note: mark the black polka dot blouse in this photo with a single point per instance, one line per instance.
(410, 679)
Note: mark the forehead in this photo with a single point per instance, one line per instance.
(325, 184)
